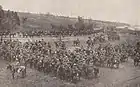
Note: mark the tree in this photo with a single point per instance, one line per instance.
(1, 16)
(80, 24)
(17, 20)
(1, 13)
(1, 7)
(80, 19)
(24, 19)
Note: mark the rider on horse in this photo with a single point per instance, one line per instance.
(89, 42)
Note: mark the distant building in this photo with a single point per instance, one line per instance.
(125, 27)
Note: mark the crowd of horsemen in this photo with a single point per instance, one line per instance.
(69, 65)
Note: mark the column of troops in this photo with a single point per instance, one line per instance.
(60, 62)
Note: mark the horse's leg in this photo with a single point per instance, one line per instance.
(78, 76)
(44, 69)
(138, 63)
(38, 68)
(111, 65)
(134, 62)
(95, 74)
(118, 65)
(13, 75)
(30, 64)
(72, 77)
(24, 72)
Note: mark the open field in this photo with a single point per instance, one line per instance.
(126, 74)
(114, 68)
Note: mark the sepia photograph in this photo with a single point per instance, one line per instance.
(69, 43)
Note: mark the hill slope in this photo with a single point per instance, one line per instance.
(44, 21)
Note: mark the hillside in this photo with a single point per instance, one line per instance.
(44, 21)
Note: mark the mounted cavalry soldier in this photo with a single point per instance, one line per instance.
(76, 42)
(137, 59)
(16, 67)
(89, 43)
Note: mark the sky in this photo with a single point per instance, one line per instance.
(126, 11)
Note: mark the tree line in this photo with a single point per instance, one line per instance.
(9, 20)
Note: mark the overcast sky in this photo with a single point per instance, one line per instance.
(113, 10)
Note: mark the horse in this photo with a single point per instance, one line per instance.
(61, 72)
(76, 42)
(136, 61)
(90, 72)
(30, 62)
(109, 62)
(12, 35)
(115, 63)
(47, 66)
(40, 65)
(56, 44)
(124, 58)
(17, 69)
(96, 71)
(75, 74)
(89, 43)
(24, 34)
